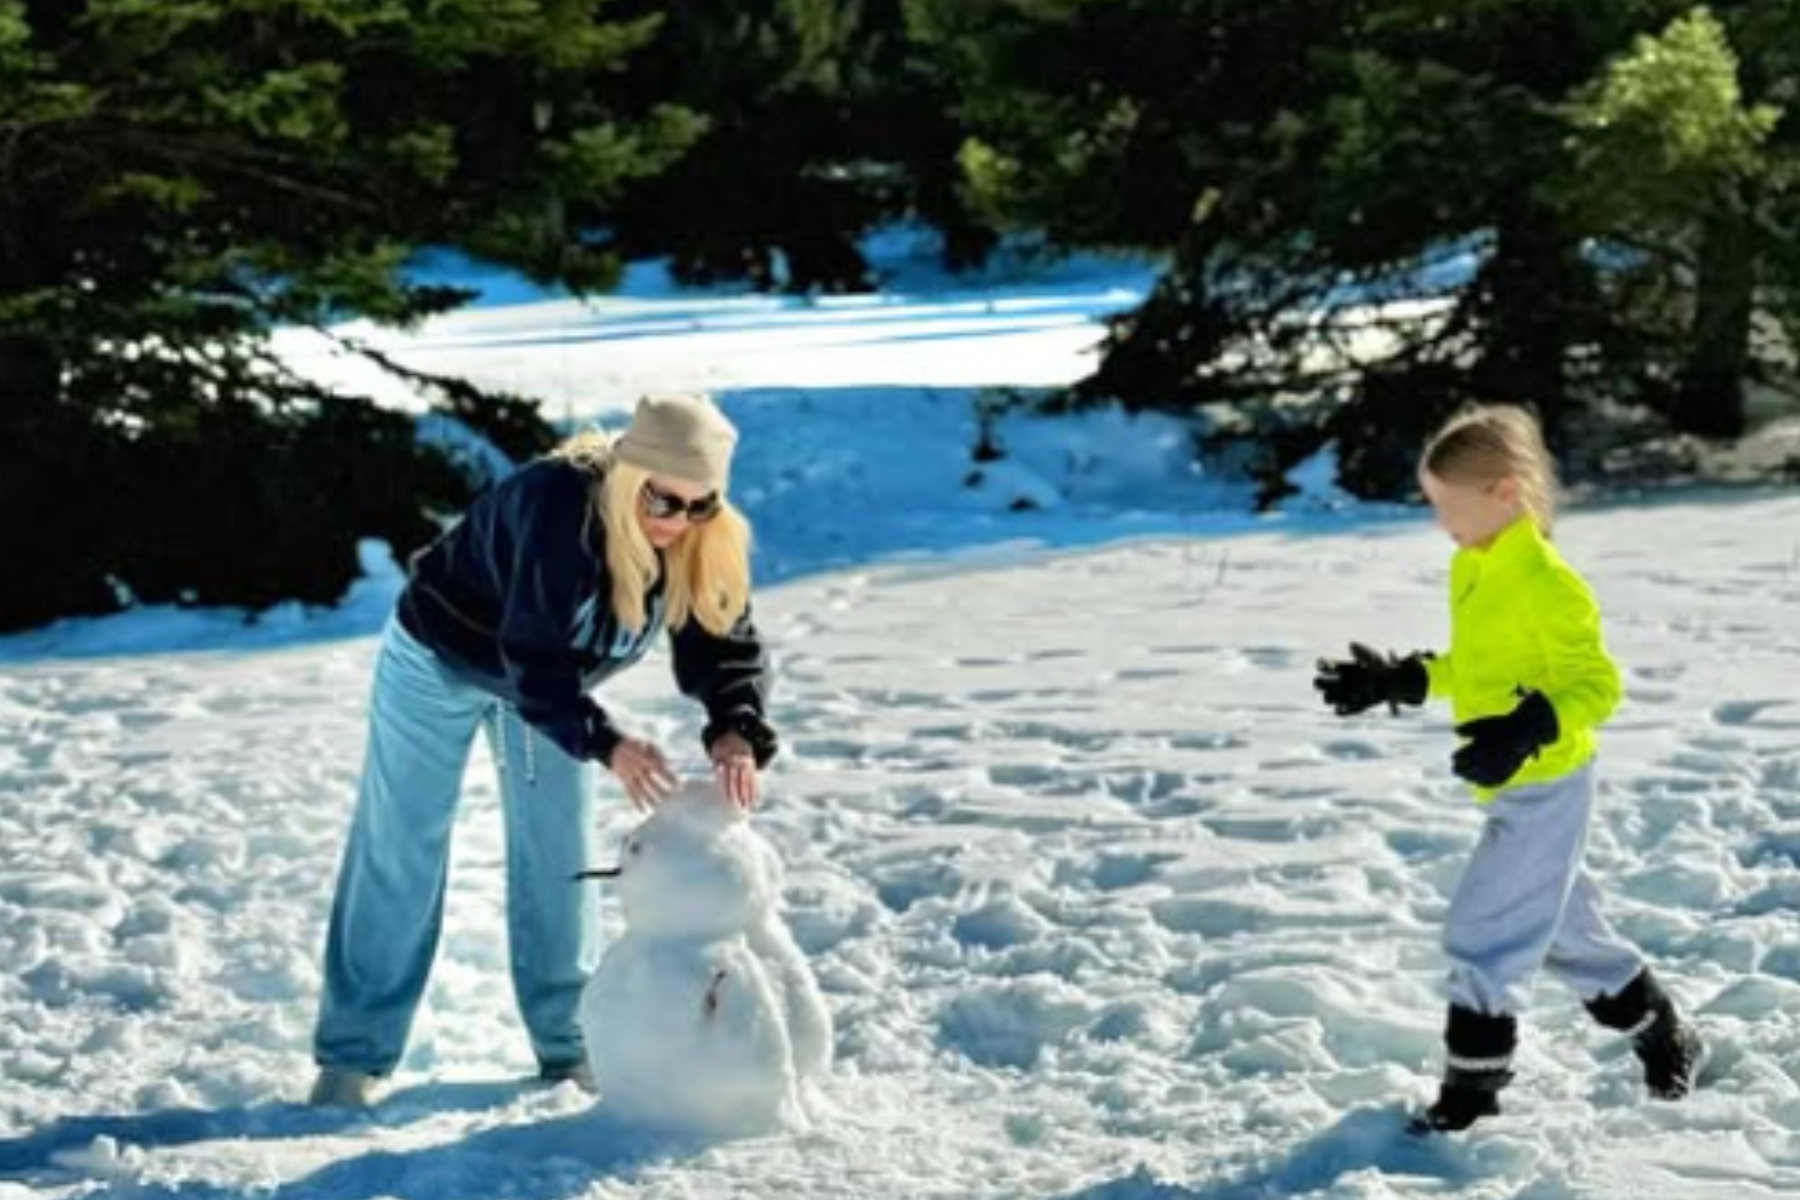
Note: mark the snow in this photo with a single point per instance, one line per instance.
(1103, 903)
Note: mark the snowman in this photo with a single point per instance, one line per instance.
(704, 1017)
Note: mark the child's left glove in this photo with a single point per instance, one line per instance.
(1498, 746)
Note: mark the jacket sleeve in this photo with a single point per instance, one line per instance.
(1582, 680)
(1440, 674)
(729, 675)
(539, 544)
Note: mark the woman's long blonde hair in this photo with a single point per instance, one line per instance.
(708, 566)
(1486, 443)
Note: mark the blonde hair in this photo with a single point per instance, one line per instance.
(708, 566)
(1487, 443)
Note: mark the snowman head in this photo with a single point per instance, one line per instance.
(696, 868)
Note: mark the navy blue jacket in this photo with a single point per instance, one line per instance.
(516, 598)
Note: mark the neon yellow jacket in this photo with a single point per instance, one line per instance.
(1520, 617)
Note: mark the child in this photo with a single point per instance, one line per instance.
(1530, 680)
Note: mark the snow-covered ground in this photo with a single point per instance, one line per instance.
(1106, 906)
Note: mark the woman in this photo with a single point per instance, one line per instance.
(556, 579)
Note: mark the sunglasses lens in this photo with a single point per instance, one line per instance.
(661, 506)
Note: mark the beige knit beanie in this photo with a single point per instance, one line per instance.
(680, 435)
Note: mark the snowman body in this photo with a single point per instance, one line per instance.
(703, 1016)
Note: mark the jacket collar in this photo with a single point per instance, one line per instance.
(1522, 539)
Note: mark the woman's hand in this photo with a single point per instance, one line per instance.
(735, 766)
(641, 767)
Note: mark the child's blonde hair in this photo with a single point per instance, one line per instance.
(708, 568)
(1486, 443)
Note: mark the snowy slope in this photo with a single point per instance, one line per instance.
(1105, 904)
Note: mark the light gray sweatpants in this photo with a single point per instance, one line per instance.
(1526, 901)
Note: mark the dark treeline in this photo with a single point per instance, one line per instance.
(1588, 200)
(1371, 211)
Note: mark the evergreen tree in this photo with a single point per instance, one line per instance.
(1676, 164)
(823, 120)
(1374, 211)
(178, 176)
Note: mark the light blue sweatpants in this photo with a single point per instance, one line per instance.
(1526, 902)
(389, 905)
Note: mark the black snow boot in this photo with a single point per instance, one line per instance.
(1669, 1048)
(1478, 1065)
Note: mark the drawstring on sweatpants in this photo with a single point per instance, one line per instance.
(498, 716)
(501, 712)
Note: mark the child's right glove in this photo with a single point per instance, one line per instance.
(1498, 746)
(1368, 678)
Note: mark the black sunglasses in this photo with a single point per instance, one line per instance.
(661, 506)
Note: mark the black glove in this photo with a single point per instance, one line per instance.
(1498, 746)
(1368, 678)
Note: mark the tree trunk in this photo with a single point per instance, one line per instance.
(31, 365)
(1531, 297)
(1710, 398)
(30, 379)
(1153, 355)
(51, 475)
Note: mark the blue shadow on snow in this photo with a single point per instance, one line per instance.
(1365, 1139)
(547, 1159)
